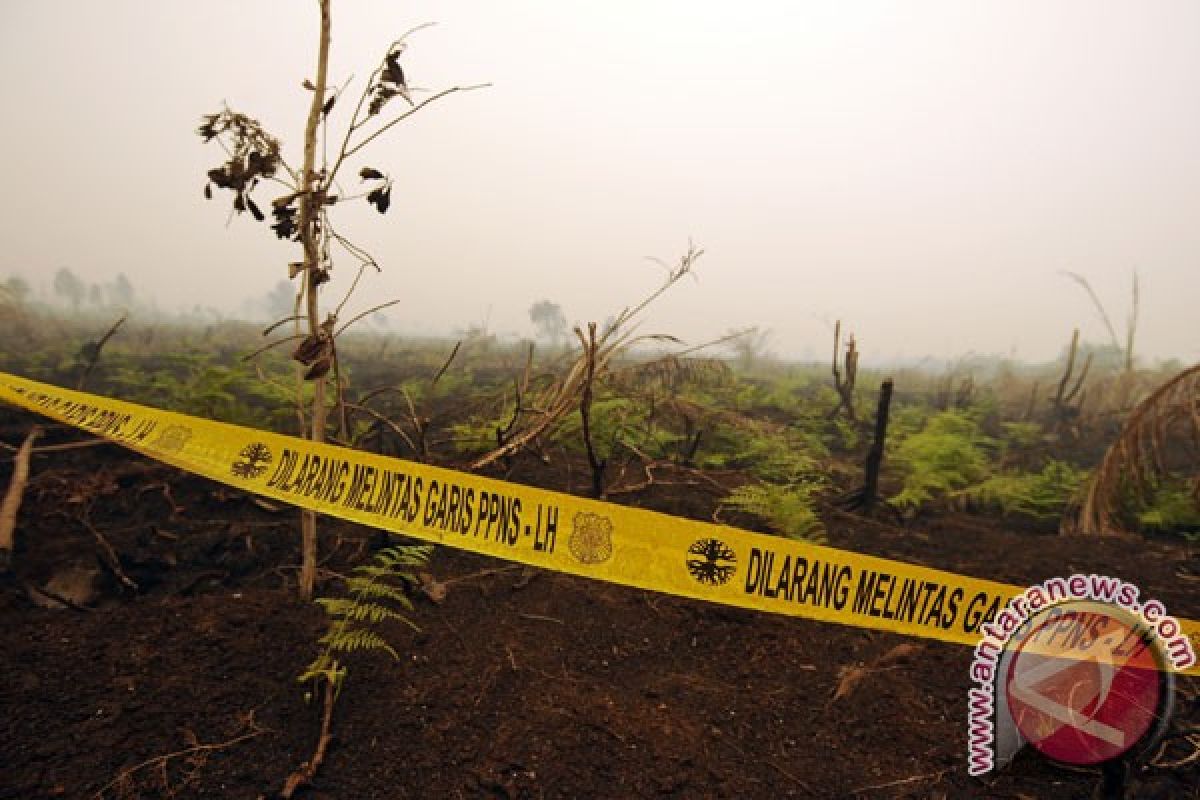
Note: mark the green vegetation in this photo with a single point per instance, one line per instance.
(987, 450)
(948, 454)
(1173, 506)
(1041, 495)
(788, 509)
(372, 594)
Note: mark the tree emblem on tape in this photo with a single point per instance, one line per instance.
(591, 538)
(172, 438)
(712, 562)
(253, 461)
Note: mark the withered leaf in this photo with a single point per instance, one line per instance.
(208, 191)
(319, 368)
(220, 178)
(381, 198)
(294, 269)
(848, 679)
(370, 174)
(308, 85)
(208, 128)
(898, 654)
(239, 202)
(311, 348)
(285, 221)
(325, 109)
(392, 71)
(254, 210)
(379, 99)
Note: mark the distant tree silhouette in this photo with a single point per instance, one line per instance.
(120, 291)
(17, 288)
(549, 320)
(69, 287)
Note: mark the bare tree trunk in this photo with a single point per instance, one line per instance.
(312, 264)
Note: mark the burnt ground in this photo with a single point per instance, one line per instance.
(519, 683)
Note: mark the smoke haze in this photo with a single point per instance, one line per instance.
(923, 171)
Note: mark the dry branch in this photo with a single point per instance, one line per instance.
(308, 770)
(13, 497)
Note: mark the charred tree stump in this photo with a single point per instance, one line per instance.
(844, 384)
(867, 495)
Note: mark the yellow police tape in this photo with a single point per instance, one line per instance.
(546, 529)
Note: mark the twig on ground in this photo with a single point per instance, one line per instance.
(936, 776)
(13, 497)
(55, 596)
(202, 750)
(113, 561)
(481, 574)
(308, 769)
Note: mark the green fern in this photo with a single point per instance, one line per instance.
(373, 592)
(786, 508)
(1041, 495)
(1173, 506)
(948, 454)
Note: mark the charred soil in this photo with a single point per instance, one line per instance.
(172, 670)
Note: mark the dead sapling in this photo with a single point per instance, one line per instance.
(302, 215)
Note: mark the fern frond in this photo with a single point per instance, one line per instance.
(364, 588)
(353, 640)
(787, 509)
(370, 589)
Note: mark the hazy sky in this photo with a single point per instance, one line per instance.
(922, 170)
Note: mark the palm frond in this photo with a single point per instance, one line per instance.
(1138, 460)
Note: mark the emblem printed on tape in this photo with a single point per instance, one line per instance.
(591, 538)
(172, 438)
(252, 461)
(713, 562)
